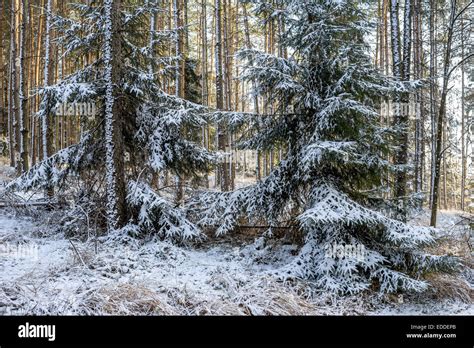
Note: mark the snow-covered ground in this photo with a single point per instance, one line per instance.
(43, 272)
(62, 277)
(52, 275)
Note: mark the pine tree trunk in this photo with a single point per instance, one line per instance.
(204, 78)
(34, 45)
(248, 44)
(442, 113)
(23, 90)
(463, 126)
(433, 88)
(47, 136)
(116, 212)
(3, 102)
(179, 77)
(12, 136)
(223, 174)
(419, 99)
(227, 72)
(151, 41)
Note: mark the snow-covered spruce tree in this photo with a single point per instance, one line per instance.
(135, 118)
(325, 96)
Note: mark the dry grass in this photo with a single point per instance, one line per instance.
(445, 286)
(137, 299)
(457, 246)
(260, 297)
(126, 299)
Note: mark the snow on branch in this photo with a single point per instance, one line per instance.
(330, 206)
(157, 215)
(268, 198)
(56, 168)
(315, 152)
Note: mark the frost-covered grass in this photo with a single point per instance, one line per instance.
(159, 278)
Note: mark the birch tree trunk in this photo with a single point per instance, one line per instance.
(399, 117)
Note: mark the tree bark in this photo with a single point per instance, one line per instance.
(12, 117)
(116, 212)
(442, 113)
(400, 117)
(223, 174)
(463, 127)
(23, 90)
(248, 44)
(433, 90)
(204, 79)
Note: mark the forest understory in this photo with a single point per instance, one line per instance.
(230, 275)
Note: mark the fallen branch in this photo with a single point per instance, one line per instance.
(31, 204)
(259, 227)
(78, 254)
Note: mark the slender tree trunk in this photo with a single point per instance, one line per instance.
(442, 112)
(227, 74)
(116, 212)
(418, 98)
(407, 40)
(204, 74)
(463, 127)
(177, 15)
(47, 134)
(395, 37)
(445, 169)
(433, 94)
(179, 77)
(400, 116)
(3, 67)
(151, 41)
(23, 97)
(204, 78)
(221, 133)
(248, 45)
(12, 117)
(46, 131)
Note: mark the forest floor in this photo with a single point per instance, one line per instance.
(43, 272)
